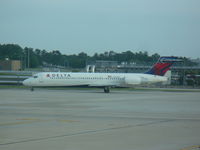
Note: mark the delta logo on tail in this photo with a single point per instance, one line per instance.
(163, 65)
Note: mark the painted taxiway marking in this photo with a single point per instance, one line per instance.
(86, 132)
(195, 147)
(34, 120)
(22, 121)
(67, 121)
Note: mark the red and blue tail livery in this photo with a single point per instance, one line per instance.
(163, 65)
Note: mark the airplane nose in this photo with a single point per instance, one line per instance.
(26, 82)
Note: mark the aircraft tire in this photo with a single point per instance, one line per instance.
(106, 89)
(32, 89)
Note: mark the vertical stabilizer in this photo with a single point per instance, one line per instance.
(163, 65)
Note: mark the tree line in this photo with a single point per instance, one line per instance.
(34, 58)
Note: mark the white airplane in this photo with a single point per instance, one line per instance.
(104, 80)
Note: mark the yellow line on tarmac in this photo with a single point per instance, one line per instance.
(67, 121)
(195, 147)
(21, 121)
(16, 123)
(33, 120)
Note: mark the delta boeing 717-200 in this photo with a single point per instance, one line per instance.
(103, 80)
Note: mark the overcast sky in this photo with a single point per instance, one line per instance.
(167, 27)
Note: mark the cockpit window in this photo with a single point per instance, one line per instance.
(35, 76)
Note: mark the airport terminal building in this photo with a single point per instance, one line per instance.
(12, 65)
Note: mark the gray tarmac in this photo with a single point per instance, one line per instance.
(93, 120)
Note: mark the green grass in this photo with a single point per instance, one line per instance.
(14, 74)
(166, 89)
(13, 87)
(8, 73)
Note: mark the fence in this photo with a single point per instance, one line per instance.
(14, 77)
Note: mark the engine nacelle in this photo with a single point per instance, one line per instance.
(130, 80)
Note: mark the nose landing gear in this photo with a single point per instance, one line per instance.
(106, 89)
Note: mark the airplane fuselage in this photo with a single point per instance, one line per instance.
(105, 80)
(92, 79)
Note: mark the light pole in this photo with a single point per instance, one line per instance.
(28, 52)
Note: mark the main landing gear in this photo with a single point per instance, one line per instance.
(32, 89)
(106, 89)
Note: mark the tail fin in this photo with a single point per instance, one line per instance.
(163, 65)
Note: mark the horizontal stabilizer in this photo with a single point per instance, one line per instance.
(169, 59)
